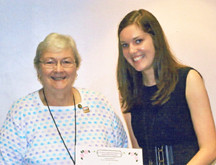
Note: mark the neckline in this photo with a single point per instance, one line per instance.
(148, 87)
(64, 107)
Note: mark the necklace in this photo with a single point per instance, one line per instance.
(73, 159)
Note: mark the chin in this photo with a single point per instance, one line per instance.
(59, 88)
(138, 69)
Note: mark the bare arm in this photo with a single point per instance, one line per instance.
(202, 119)
(127, 118)
(134, 142)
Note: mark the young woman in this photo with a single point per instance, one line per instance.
(165, 103)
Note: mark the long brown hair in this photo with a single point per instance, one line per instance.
(165, 65)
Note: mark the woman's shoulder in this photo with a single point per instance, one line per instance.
(185, 70)
(24, 105)
(90, 93)
(183, 74)
(26, 100)
(94, 97)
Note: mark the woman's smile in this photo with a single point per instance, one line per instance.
(138, 48)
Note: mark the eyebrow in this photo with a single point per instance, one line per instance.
(61, 59)
(132, 39)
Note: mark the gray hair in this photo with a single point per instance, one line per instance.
(55, 42)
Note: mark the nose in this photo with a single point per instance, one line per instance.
(59, 67)
(132, 49)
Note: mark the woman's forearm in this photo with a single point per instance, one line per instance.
(203, 157)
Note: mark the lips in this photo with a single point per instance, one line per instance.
(137, 58)
(58, 78)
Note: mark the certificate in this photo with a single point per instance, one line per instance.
(108, 156)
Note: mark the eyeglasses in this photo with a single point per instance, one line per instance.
(52, 63)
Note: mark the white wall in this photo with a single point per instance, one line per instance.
(189, 26)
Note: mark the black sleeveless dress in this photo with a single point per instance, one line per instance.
(166, 125)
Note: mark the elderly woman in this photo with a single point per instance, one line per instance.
(45, 126)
